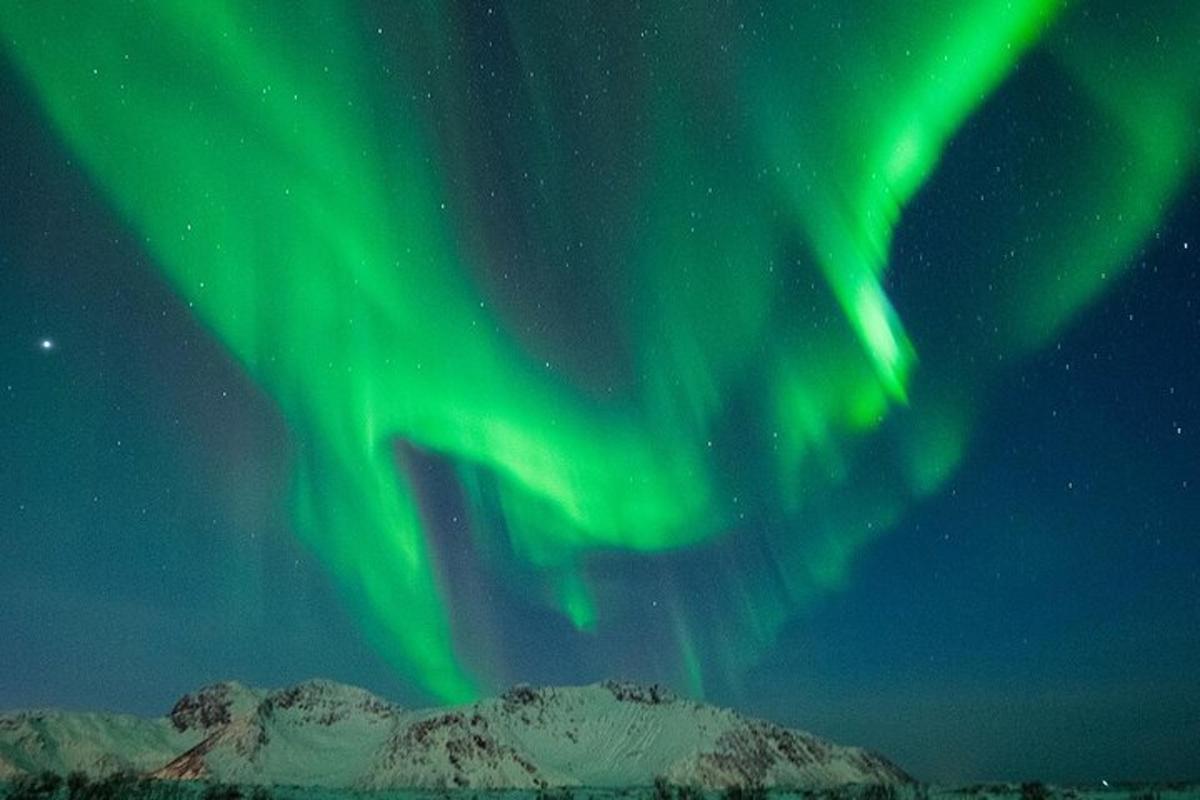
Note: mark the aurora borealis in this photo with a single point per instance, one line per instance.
(600, 327)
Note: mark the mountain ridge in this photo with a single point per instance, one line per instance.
(323, 733)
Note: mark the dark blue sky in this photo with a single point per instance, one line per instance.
(1039, 616)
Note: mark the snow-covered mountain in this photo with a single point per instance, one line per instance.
(322, 733)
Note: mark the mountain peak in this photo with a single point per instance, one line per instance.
(324, 733)
(212, 706)
(326, 701)
(632, 692)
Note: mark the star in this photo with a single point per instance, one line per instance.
(46, 344)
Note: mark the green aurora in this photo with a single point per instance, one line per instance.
(318, 193)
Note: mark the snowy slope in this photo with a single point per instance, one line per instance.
(321, 733)
(94, 743)
(317, 733)
(614, 734)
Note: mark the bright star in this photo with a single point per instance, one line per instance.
(46, 344)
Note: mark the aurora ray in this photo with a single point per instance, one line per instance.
(311, 195)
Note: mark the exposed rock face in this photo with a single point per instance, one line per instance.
(638, 693)
(325, 702)
(322, 733)
(456, 750)
(209, 707)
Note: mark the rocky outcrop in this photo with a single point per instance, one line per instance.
(322, 733)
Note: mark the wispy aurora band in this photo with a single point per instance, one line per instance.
(299, 196)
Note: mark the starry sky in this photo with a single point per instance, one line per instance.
(832, 361)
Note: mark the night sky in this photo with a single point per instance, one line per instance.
(833, 361)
